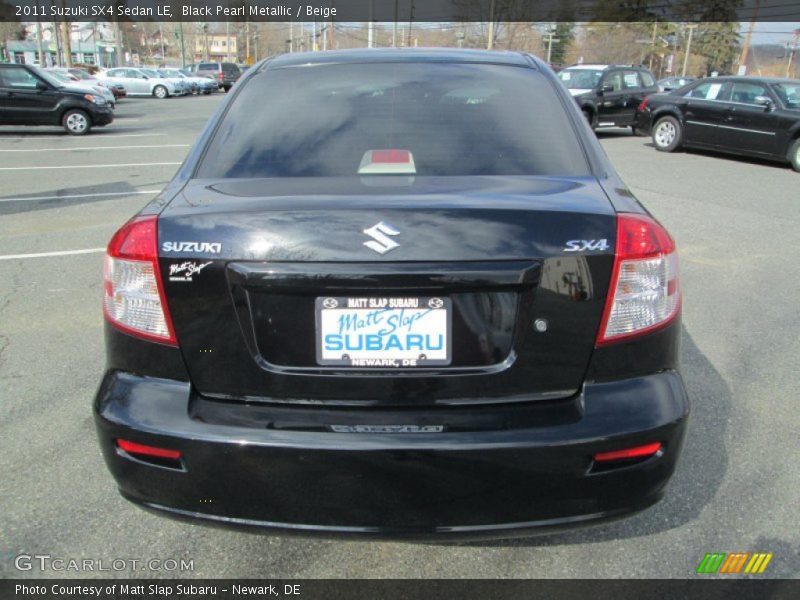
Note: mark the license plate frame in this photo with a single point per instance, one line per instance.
(393, 315)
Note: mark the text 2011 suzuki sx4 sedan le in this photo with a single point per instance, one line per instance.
(399, 294)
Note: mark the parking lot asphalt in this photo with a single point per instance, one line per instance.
(737, 487)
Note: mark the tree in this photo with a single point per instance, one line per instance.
(718, 44)
(565, 34)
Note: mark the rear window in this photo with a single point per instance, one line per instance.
(448, 119)
(230, 68)
(208, 67)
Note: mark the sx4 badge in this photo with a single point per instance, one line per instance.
(186, 270)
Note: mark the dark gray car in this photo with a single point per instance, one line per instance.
(225, 73)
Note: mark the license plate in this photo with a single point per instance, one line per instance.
(384, 332)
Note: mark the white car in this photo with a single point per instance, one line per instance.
(198, 85)
(69, 81)
(138, 82)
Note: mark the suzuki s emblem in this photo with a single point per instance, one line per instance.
(381, 242)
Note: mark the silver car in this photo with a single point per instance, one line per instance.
(138, 82)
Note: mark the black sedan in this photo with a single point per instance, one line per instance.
(395, 293)
(740, 115)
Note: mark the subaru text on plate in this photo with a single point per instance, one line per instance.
(397, 294)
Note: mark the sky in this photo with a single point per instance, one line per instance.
(770, 32)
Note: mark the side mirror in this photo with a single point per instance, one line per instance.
(42, 86)
(764, 101)
(145, 77)
(607, 87)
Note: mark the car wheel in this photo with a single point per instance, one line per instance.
(76, 122)
(667, 134)
(160, 92)
(794, 155)
(589, 116)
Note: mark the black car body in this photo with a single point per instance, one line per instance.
(751, 116)
(224, 73)
(411, 183)
(29, 96)
(608, 94)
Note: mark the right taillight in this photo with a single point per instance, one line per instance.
(133, 299)
(644, 294)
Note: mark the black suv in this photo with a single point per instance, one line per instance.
(608, 95)
(30, 96)
(225, 73)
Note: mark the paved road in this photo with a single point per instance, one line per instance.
(736, 489)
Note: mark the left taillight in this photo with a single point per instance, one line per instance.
(133, 296)
(644, 294)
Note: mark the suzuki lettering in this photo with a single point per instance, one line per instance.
(209, 247)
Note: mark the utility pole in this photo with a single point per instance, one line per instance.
(42, 64)
(746, 47)
(291, 37)
(118, 58)
(161, 36)
(550, 40)
(411, 22)
(652, 46)
(791, 55)
(691, 28)
(247, 42)
(67, 41)
(490, 44)
(227, 41)
(371, 26)
(394, 26)
(183, 50)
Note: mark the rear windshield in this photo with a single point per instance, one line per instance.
(208, 66)
(444, 119)
(230, 68)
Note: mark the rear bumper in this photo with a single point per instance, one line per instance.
(643, 121)
(465, 484)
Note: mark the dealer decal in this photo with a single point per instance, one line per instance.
(186, 270)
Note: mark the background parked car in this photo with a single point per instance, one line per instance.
(608, 94)
(197, 85)
(673, 83)
(91, 87)
(31, 96)
(137, 82)
(224, 73)
(755, 116)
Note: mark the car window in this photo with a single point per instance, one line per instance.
(709, 90)
(230, 68)
(580, 79)
(630, 80)
(647, 79)
(746, 92)
(789, 93)
(208, 66)
(19, 78)
(614, 79)
(440, 119)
